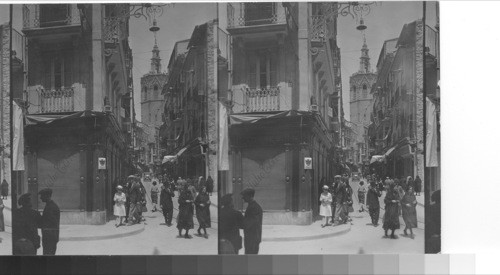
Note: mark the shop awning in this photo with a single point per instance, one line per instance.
(236, 119)
(169, 159)
(390, 150)
(195, 143)
(377, 158)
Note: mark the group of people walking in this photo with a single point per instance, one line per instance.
(400, 199)
(130, 203)
(27, 221)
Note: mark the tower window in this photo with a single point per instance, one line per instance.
(365, 91)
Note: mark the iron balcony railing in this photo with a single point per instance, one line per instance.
(262, 100)
(318, 28)
(65, 99)
(50, 15)
(254, 14)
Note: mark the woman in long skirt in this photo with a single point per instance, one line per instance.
(202, 203)
(325, 209)
(409, 203)
(391, 217)
(418, 185)
(185, 216)
(119, 207)
(2, 224)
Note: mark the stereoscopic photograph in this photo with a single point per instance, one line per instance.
(220, 128)
(111, 104)
(323, 128)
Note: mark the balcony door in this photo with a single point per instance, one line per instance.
(262, 69)
(259, 13)
(53, 15)
(56, 70)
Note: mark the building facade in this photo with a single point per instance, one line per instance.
(361, 101)
(5, 80)
(191, 126)
(284, 95)
(396, 132)
(79, 107)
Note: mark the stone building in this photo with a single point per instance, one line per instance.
(396, 132)
(5, 148)
(191, 125)
(152, 103)
(284, 95)
(361, 101)
(79, 106)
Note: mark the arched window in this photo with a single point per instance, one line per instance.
(155, 94)
(353, 97)
(365, 91)
(145, 97)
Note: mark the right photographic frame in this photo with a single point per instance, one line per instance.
(329, 128)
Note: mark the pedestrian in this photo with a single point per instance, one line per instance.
(179, 184)
(372, 201)
(5, 189)
(252, 222)
(49, 222)
(391, 217)
(230, 222)
(399, 185)
(418, 185)
(25, 223)
(202, 203)
(154, 196)
(325, 209)
(119, 207)
(210, 185)
(185, 215)
(192, 189)
(409, 203)
(201, 183)
(166, 204)
(142, 206)
(340, 200)
(2, 224)
(409, 182)
(361, 196)
(135, 198)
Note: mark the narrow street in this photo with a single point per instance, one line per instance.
(358, 237)
(148, 238)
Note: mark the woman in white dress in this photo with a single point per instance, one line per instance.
(325, 209)
(119, 207)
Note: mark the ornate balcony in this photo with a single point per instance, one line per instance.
(262, 100)
(318, 30)
(254, 15)
(36, 16)
(41, 100)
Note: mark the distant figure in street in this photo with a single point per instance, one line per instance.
(2, 224)
(341, 201)
(201, 183)
(361, 196)
(408, 203)
(202, 203)
(185, 216)
(409, 182)
(418, 185)
(166, 204)
(119, 207)
(179, 184)
(399, 186)
(5, 189)
(391, 217)
(192, 189)
(252, 222)
(373, 203)
(154, 196)
(142, 206)
(26, 222)
(325, 209)
(210, 185)
(230, 222)
(49, 223)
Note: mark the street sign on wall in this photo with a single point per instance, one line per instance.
(308, 163)
(101, 163)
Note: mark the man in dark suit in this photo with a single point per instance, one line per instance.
(50, 222)
(252, 222)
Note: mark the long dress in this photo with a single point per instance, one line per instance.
(409, 212)
(325, 209)
(119, 207)
(5, 188)
(2, 224)
(391, 217)
(229, 228)
(203, 212)
(185, 215)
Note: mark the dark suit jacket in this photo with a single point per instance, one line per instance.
(50, 221)
(252, 223)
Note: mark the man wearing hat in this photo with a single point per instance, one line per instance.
(49, 223)
(252, 222)
(25, 223)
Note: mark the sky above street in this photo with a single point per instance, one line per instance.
(384, 22)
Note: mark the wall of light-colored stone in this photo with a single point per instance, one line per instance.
(419, 56)
(5, 103)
